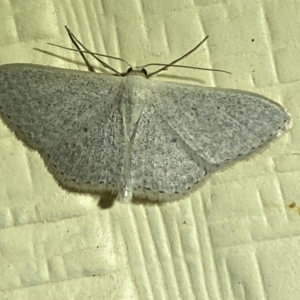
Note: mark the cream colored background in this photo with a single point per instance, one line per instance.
(236, 238)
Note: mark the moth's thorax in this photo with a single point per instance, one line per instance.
(137, 88)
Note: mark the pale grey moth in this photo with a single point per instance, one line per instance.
(129, 135)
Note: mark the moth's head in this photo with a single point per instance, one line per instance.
(136, 71)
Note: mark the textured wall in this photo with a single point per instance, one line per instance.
(236, 238)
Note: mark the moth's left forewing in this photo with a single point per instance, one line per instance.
(220, 125)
